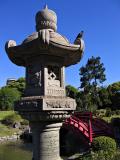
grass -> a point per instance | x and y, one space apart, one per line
12 117
4 114
101 113
108 119
7 131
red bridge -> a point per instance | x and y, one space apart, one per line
90 127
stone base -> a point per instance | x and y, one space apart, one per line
42 108
45 114
46 141
45 103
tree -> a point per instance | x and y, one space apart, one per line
71 91
114 91
74 93
115 87
7 97
83 101
92 76
105 100
18 84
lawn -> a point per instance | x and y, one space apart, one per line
4 114
12 117
7 131
108 119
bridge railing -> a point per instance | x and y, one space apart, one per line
82 122
89 126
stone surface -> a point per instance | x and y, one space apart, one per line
46 41
44 54
46 141
41 103
46 19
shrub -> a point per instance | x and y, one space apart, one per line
6 131
100 112
4 114
11 119
7 98
108 112
117 112
101 156
25 122
104 143
113 112
104 147
117 155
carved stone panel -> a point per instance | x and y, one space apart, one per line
53 76
59 104
38 103
54 86
33 76
54 91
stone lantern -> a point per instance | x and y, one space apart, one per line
45 54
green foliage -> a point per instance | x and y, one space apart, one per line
100 113
108 119
87 157
114 91
102 155
7 97
103 143
11 93
6 131
84 102
11 119
4 114
24 122
98 156
77 95
7 120
104 97
108 112
19 85
71 91
117 155
104 148
92 75
115 87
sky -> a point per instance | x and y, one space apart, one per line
99 19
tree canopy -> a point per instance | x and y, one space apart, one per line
114 91
7 97
71 91
19 84
92 77
11 93
115 87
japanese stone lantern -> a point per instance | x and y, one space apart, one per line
44 54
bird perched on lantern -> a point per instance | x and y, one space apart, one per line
79 40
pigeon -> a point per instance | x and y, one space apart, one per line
78 38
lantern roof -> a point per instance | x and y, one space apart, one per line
46 41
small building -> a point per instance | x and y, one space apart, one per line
10 80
